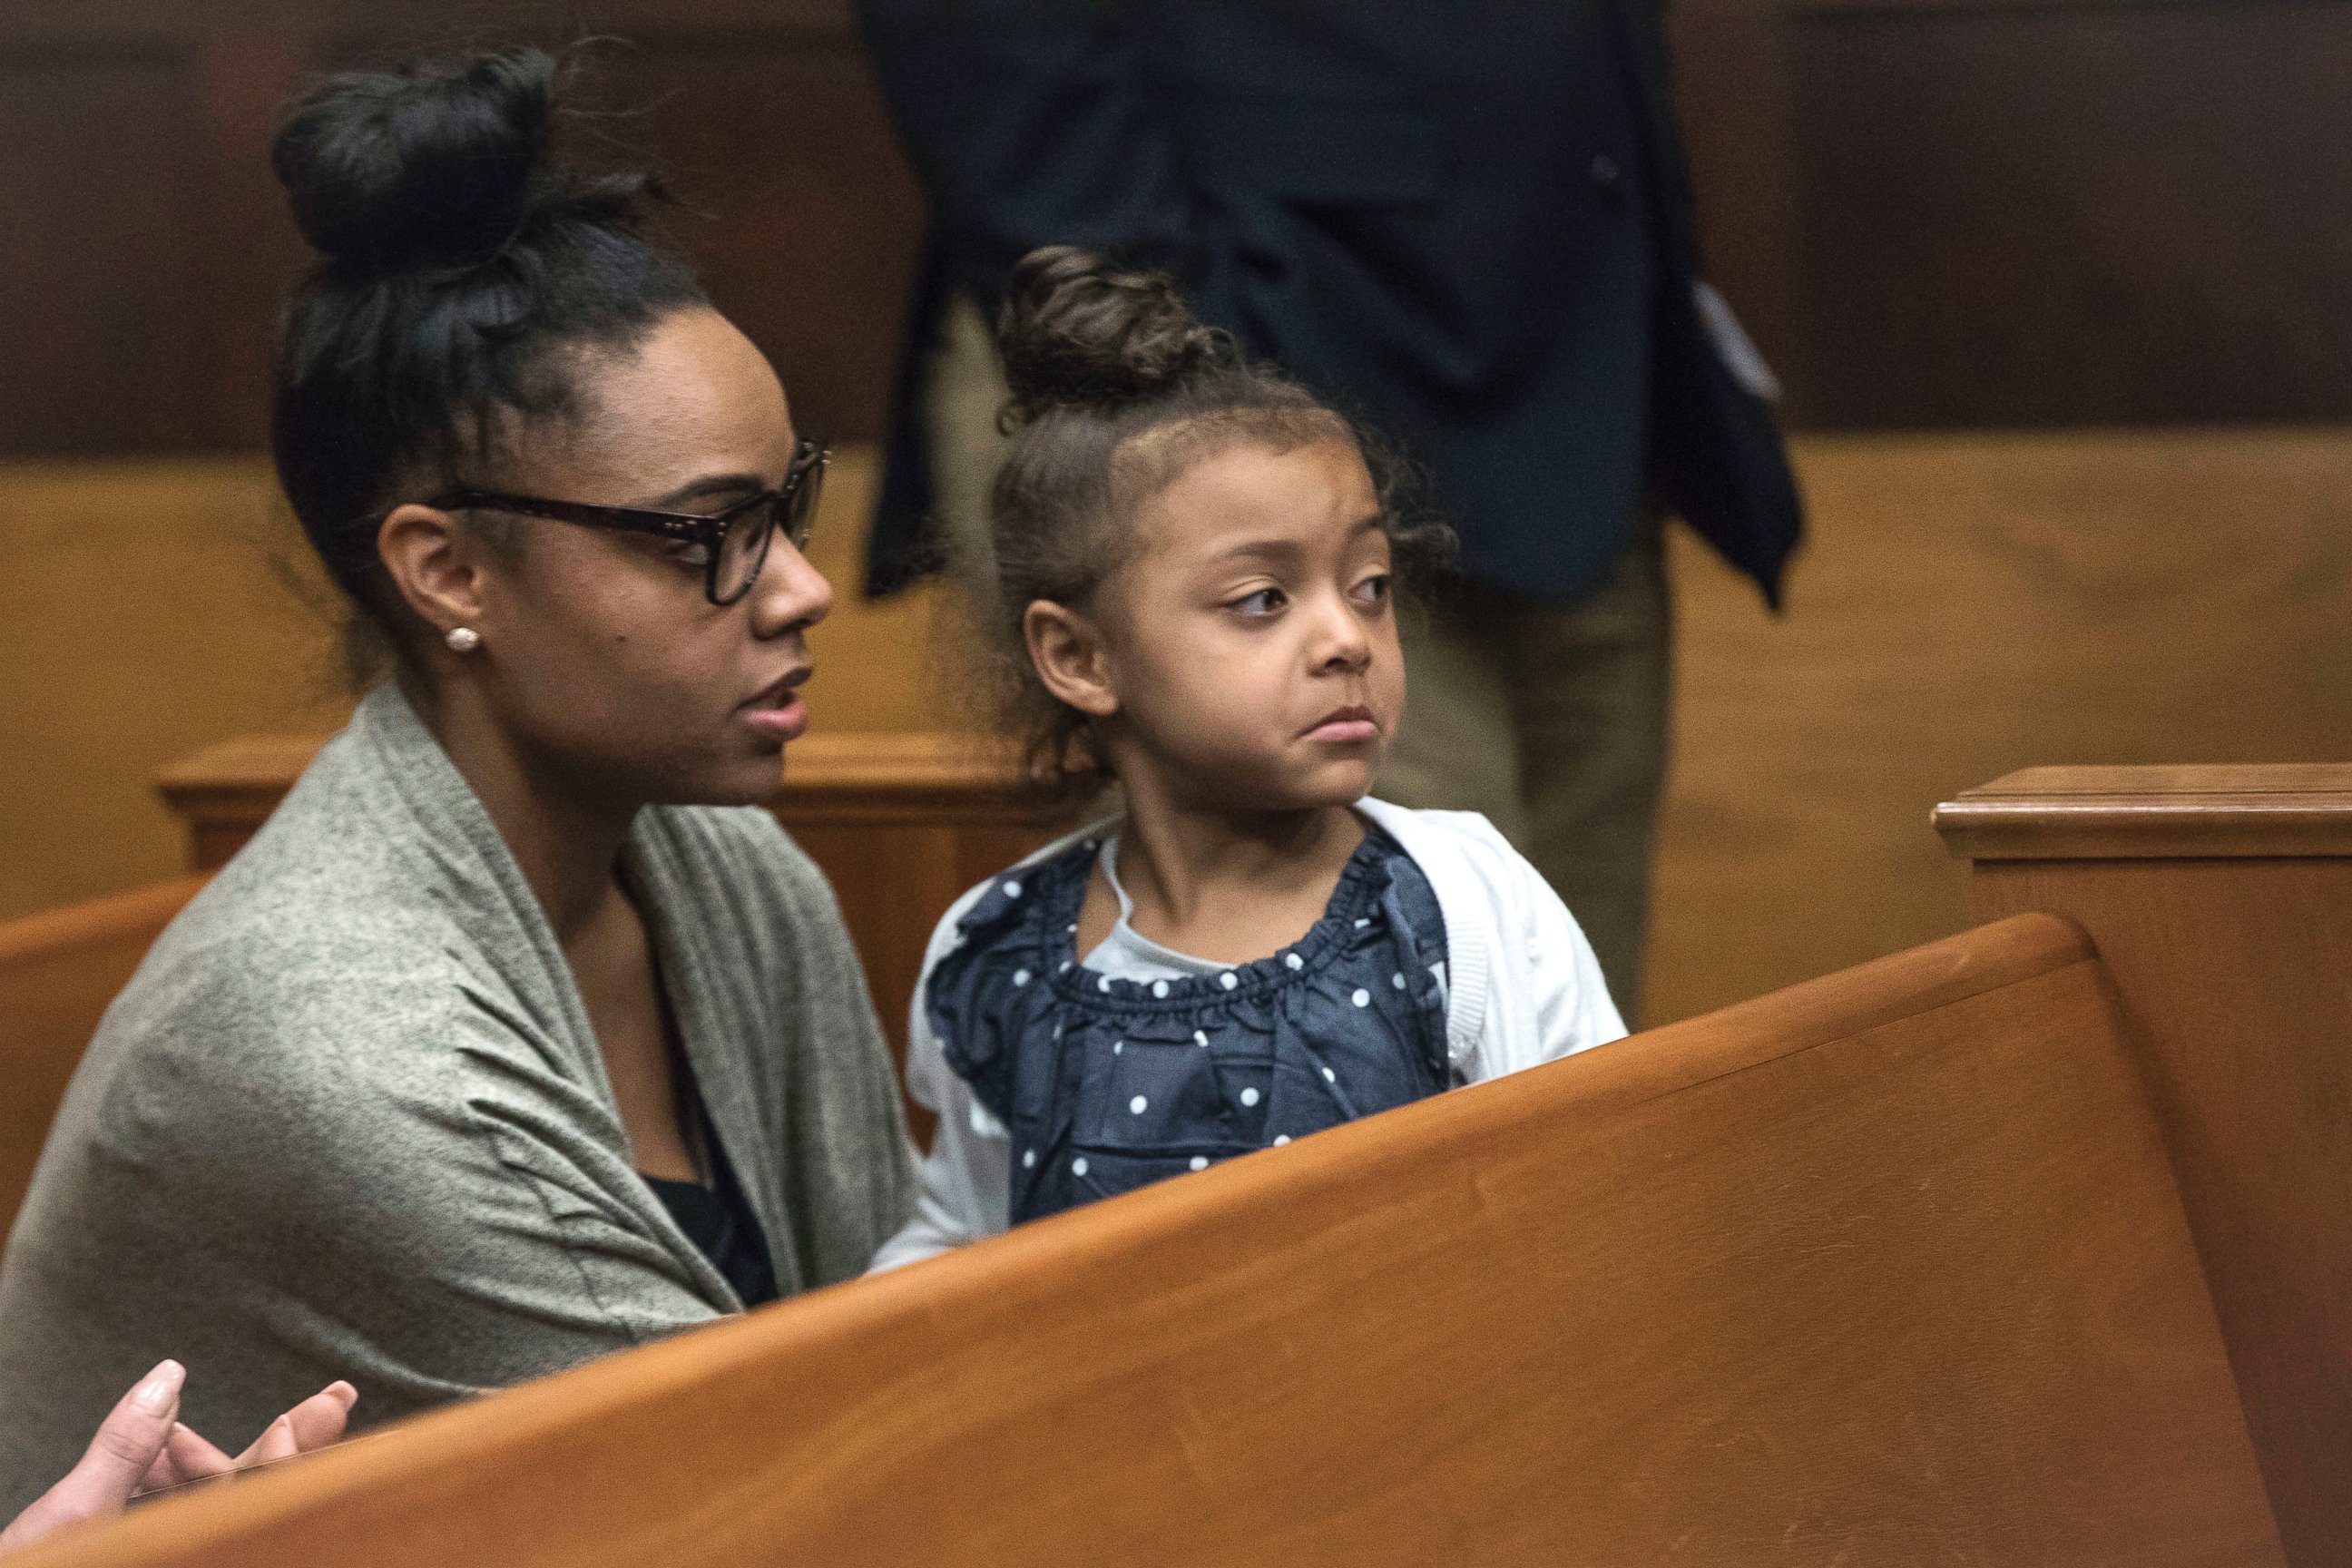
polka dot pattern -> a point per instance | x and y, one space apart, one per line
1338 1001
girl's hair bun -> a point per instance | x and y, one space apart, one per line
1076 330
434 162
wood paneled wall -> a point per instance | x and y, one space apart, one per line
2024 212
142 215
2032 212
1968 604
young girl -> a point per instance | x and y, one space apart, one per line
1192 595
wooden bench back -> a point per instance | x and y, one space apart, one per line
59 970
1888 1268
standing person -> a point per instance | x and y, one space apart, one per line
1468 223
520 1033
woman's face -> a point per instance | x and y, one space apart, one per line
601 656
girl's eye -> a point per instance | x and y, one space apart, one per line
1373 590
1265 602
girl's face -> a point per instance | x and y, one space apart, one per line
1250 646
600 655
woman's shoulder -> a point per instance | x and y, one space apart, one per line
257 988
247 1046
325 956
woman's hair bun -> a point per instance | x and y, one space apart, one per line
1077 330
436 162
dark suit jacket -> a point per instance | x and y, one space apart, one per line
1465 221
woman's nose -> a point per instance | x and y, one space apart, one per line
791 595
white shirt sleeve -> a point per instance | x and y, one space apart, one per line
1563 984
967 1176
1541 993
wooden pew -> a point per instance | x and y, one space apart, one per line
2221 899
900 823
58 971
1887 1269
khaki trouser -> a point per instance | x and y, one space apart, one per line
1548 717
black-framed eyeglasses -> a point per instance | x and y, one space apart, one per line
734 542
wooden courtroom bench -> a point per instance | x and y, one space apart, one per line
59 970
1888 1268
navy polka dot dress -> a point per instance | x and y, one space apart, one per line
1106 1084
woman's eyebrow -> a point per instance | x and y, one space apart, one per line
709 485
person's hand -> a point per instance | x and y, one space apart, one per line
313 1423
142 1447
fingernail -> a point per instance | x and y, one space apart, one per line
344 1392
163 1385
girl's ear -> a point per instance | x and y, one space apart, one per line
1067 651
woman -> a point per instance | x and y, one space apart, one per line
498 1048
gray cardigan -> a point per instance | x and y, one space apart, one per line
349 1119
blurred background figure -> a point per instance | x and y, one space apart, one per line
1471 224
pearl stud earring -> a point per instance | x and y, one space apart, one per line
463 640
